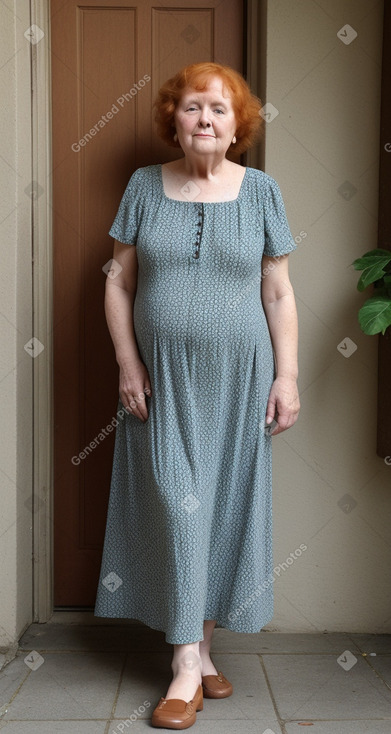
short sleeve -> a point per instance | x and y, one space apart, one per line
127 220
278 237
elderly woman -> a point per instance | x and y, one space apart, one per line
202 315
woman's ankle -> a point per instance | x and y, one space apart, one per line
204 650
187 663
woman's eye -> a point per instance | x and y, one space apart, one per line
217 110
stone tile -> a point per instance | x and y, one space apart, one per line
147 677
257 726
119 726
87 616
68 686
368 726
54 727
275 642
317 687
382 664
121 638
251 698
372 643
76 686
204 727
11 677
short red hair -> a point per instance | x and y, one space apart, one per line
245 104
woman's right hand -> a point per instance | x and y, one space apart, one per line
134 384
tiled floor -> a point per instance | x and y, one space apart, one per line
82 675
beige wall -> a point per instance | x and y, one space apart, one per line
327 132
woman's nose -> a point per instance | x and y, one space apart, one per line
204 118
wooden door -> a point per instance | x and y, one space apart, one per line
109 58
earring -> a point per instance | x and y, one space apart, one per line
175 137
234 139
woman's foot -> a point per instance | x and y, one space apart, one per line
186 677
190 662
184 686
207 667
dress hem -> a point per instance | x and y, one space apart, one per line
181 641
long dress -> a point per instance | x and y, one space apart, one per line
189 524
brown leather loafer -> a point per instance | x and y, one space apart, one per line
174 713
216 686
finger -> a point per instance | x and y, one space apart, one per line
142 405
137 407
270 410
137 414
125 400
285 423
277 428
129 403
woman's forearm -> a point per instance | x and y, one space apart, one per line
281 316
119 317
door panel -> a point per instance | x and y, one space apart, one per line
108 61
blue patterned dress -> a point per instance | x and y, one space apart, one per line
189 524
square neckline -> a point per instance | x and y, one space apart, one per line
180 201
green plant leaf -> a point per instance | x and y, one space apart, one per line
361 262
375 314
373 264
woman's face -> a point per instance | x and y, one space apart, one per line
205 121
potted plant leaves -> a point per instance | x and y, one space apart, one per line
375 314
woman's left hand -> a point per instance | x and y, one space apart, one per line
283 405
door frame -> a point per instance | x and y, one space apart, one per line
42 295
42 308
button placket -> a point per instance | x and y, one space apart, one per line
199 231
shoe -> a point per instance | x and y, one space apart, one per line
174 713
216 686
